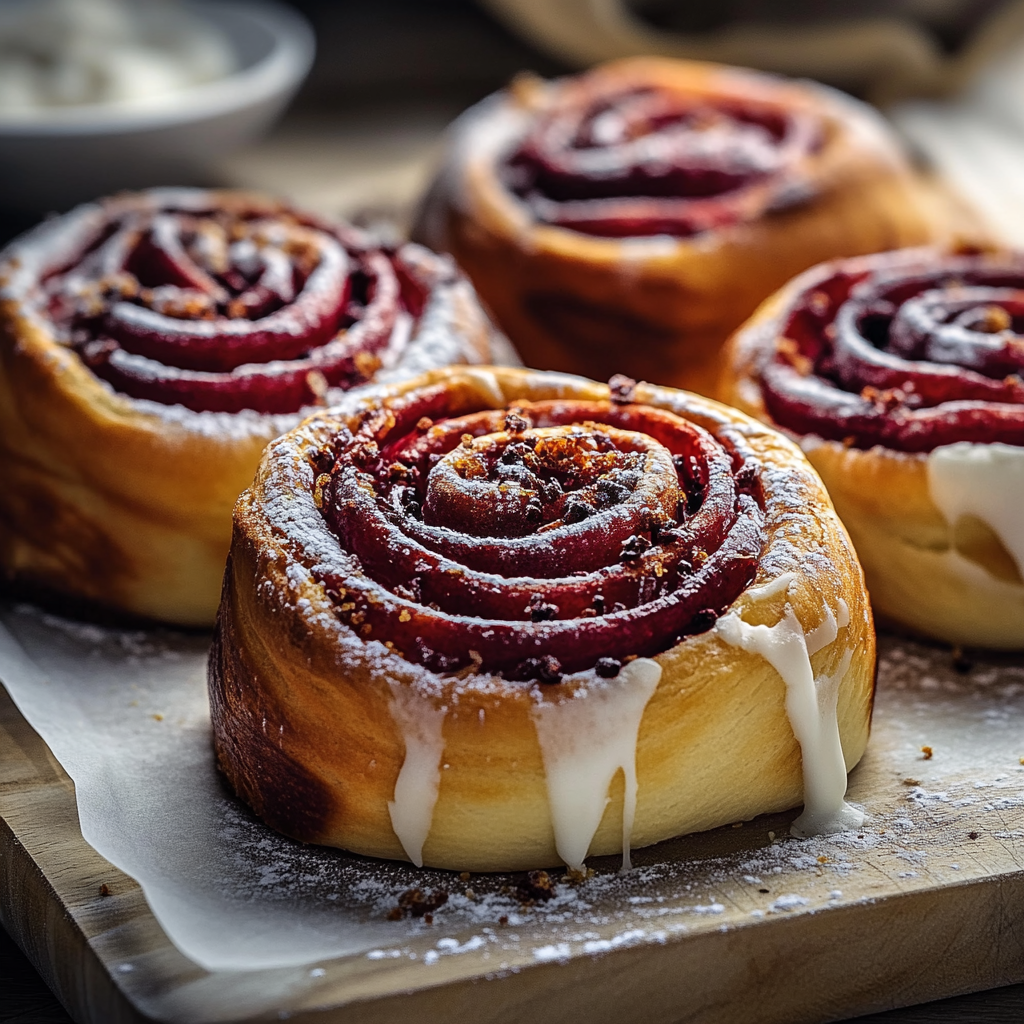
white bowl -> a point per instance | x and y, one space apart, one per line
65 155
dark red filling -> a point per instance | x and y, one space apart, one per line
900 353
550 538
649 162
225 310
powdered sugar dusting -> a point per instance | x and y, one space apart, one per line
231 893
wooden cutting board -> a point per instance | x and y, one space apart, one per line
927 901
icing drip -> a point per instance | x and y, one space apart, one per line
810 704
983 480
412 809
585 742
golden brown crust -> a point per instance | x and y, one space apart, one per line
303 709
956 585
660 308
123 503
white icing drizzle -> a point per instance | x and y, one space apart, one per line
810 704
412 810
983 480
584 742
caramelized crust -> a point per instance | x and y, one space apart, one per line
306 712
659 306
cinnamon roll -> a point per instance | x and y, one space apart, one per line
900 376
495 619
152 344
630 218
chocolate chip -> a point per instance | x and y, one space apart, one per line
413 509
540 610
550 490
577 511
598 604
622 389
633 547
513 454
608 668
534 513
515 422
610 492
703 620
546 669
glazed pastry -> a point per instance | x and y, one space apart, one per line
900 376
152 344
630 218
464 614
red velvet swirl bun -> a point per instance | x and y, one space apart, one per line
901 376
463 614
152 344
630 218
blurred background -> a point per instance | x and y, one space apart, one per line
340 104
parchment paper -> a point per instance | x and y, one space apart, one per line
126 715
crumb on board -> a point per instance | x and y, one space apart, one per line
417 903
577 876
105 889
928 753
537 885
911 782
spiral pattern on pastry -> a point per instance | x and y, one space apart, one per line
626 160
492 619
628 219
900 376
906 351
222 306
542 539
152 344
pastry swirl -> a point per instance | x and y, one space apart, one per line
151 345
901 373
630 218
471 562
639 160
